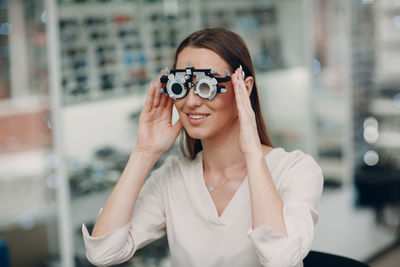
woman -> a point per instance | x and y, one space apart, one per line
235 200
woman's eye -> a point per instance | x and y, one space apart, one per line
204 88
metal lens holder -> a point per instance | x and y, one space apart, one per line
179 81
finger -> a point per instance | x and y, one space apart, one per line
166 111
243 91
245 110
157 98
170 105
238 87
159 86
149 98
177 127
164 100
239 99
241 82
243 100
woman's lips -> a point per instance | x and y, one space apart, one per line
196 119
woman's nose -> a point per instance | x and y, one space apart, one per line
192 99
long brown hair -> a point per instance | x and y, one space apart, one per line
231 48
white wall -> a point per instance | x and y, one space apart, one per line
89 126
285 97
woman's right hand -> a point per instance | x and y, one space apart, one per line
156 134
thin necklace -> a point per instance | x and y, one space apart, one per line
211 188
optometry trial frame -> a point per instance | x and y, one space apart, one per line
179 81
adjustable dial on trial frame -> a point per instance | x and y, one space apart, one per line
179 81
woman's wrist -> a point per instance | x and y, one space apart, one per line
147 156
255 153
254 157
139 165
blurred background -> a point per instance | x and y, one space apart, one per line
74 73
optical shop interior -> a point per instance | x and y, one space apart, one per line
74 75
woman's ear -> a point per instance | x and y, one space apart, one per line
249 82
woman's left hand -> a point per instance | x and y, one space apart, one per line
249 141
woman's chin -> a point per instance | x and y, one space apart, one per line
196 133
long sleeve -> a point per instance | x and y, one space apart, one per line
147 224
300 190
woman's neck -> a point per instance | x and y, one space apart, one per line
222 152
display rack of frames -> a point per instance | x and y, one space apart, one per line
166 24
101 51
114 48
256 22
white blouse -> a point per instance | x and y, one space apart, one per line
175 200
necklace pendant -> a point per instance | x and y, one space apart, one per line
211 188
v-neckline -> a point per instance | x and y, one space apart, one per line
210 199
233 207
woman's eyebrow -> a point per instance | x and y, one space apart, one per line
217 74
225 74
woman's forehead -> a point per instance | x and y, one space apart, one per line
200 58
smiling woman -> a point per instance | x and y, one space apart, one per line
234 200
206 119
230 51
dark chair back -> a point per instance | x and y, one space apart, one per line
321 259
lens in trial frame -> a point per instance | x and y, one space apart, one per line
206 88
176 90
176 86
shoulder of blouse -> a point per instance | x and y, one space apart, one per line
293 159
169 167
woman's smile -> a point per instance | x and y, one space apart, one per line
197 118
195 111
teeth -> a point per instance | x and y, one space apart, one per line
193 116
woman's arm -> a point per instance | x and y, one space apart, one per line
283 225
156 134
266 204
118 209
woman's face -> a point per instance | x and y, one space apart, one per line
203 118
